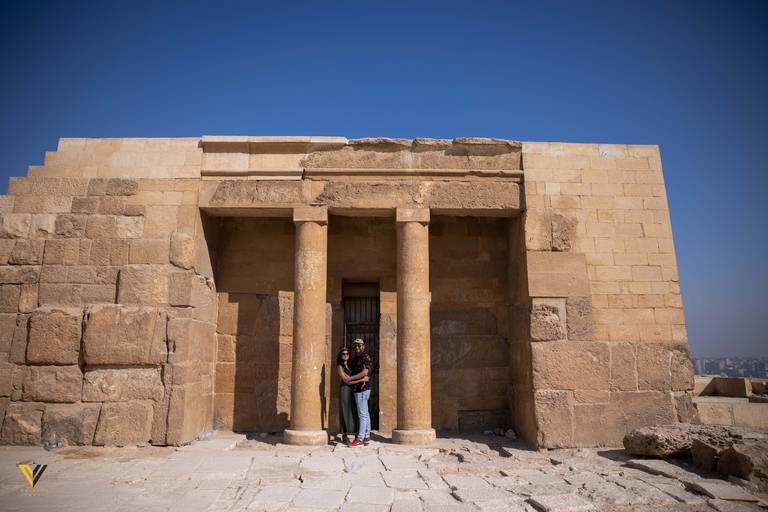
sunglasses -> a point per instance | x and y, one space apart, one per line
345 353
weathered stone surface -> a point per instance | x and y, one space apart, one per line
143 284
122 384
54 335
6 377
13 274
579 319
15 225
570 365
554 419
723 491
122 187
27 252
149 251
9 298
182 251
75 423
563 231
704 455
21 425
124 423
545 323
53 384
560 503
675 440
116 334
70 225
735 387
748 460
18 353
7 326
446 322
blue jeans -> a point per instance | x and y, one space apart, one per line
361 399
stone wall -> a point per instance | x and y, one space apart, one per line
107 296
147 285
600 296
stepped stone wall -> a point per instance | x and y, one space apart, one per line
147 286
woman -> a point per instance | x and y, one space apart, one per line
347 409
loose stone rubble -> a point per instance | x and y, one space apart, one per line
232 473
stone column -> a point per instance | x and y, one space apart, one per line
414 380
309 327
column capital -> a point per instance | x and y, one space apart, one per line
412 215
317 214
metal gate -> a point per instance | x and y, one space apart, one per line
361 320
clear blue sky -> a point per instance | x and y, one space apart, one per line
688 76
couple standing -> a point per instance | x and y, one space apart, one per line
355 382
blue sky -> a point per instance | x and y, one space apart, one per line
688 76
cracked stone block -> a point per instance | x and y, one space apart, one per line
465 482
545 323
76 422
124 423
22 424
482 494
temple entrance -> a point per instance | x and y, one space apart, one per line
361 320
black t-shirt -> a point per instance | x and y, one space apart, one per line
362 361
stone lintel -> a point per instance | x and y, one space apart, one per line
317 214
412 215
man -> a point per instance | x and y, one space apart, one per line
361 368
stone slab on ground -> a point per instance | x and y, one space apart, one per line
723 491
482 494
532 476
560 503
319 498
464 482
728 506
662 467
370 495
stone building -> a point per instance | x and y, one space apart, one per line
153 289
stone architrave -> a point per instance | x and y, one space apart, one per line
414 395
306 423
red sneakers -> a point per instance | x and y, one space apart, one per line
355 443
366 441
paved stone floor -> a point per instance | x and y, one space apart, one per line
232 473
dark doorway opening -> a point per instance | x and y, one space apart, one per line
361 320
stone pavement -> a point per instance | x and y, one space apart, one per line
231 473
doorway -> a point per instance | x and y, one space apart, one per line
361 320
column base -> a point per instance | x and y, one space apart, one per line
305 437
414 436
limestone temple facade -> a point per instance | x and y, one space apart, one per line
154 289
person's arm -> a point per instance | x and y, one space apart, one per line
365 372
361 379
342 374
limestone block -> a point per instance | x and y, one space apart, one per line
143 284
6 247
122 187
122 385
685 408
180 288
546 323
52 384
116 334
747 460
75 423
43 226
554 418
27 252
225 348
70 225
85 205
9 298
704 455
28 298
111 205
563 231
101 226
149 251
579 319
18 353
6 377
606 424
466 321
22 424
735 387
538 229
182 250
54 335
570 365
129 227
160 221
15 225
7 326
124 423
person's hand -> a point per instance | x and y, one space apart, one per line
366 379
